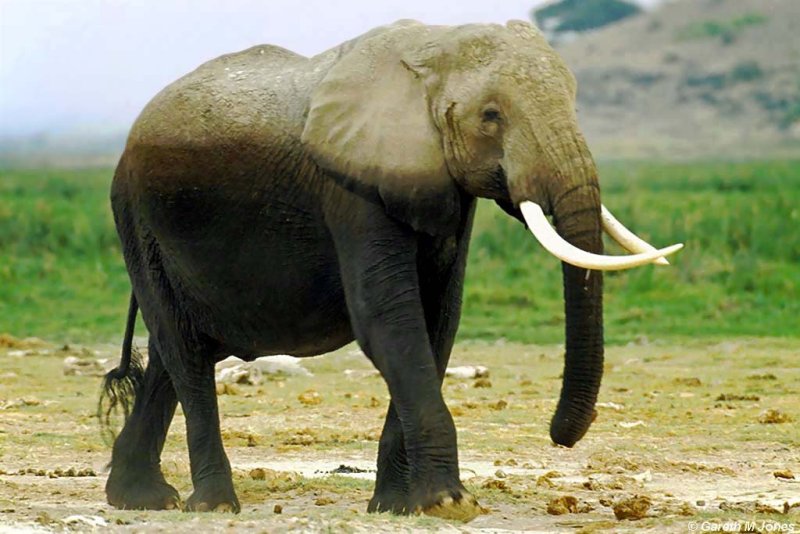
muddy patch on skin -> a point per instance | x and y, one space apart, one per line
700 453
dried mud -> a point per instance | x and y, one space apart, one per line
684 433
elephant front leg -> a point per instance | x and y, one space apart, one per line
392 484
378 268
441 276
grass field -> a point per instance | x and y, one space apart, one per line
62 276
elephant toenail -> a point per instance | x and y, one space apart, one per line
201 507
224 507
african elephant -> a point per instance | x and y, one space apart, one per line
269 203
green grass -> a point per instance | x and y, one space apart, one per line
61 270
62 275
738 275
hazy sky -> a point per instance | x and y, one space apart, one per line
93 64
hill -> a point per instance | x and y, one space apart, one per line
693 78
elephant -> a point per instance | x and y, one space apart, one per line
269 203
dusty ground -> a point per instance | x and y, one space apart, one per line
684 436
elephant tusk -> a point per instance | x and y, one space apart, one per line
627 239
560 248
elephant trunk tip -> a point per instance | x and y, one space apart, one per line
567 431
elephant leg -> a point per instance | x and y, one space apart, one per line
191 366
378 266
392 481
135 480
442 291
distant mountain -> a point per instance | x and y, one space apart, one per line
693 78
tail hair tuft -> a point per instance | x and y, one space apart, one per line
118 394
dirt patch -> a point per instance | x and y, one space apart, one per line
695 457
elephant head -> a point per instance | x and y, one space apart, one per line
421 115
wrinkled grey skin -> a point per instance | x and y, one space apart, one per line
270 203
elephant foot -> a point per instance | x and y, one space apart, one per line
388 501
141 492
214 494
454 505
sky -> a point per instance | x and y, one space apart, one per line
71 66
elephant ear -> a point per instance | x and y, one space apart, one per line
369 126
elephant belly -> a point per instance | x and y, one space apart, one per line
258 272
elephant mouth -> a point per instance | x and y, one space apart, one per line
642 252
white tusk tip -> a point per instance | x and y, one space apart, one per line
559 247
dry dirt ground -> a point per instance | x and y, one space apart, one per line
687 435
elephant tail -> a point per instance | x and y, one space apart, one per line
121 384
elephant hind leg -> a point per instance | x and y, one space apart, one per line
190 363
136 480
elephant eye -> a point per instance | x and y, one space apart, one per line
491 115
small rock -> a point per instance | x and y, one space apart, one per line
43 518
784 473
545 482
566 504
482 383
323 501
766 509
88 520
309 398
74 366
467 371
764 376
789 508
17 403
701 503
773 417
258 474
347 469
7 341
499 405
277 509
495 484
634 508
591 485
500 473
692 382
632 424
226 389
612 405
736 397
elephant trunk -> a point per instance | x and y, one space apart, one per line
569 190
576 213
551 170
